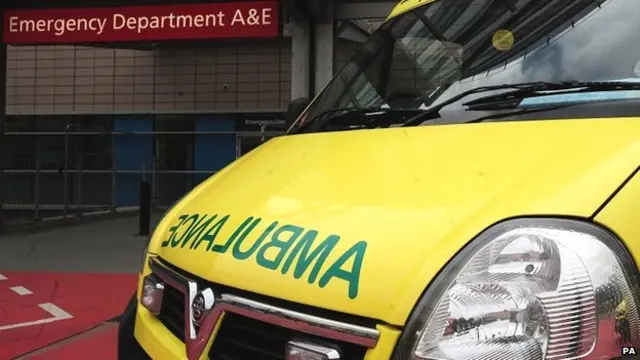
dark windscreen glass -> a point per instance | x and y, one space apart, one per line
448 46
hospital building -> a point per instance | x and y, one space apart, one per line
101 95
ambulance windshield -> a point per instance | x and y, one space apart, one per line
434 52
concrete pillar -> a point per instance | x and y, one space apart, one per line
324 37
301 52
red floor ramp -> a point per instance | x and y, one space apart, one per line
39 309
98 344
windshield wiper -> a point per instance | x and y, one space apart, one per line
517 113
512 99
324 117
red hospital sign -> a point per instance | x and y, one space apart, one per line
255 19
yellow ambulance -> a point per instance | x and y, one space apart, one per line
465 187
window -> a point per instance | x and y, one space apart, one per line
174 151
93 148
83 140
19 148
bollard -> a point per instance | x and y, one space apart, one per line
144 220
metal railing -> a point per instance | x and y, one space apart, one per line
59 177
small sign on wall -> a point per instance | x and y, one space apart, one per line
264 122
258 122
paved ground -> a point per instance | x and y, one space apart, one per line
62 289
108 246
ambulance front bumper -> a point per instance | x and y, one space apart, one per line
241 325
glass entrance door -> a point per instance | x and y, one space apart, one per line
174 143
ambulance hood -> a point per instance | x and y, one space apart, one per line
361 221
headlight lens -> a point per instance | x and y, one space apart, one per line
530 289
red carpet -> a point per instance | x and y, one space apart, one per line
90 299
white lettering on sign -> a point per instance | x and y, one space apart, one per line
264 122
172 21
252 17
119 21
58 26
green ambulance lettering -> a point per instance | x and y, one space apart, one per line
319 254
203 226
306 257
223 248
240 254
187 225
194 229
288 246
191 220
173 229
281 245
211 233
237 253
351 276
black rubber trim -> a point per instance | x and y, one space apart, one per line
128 346
615 192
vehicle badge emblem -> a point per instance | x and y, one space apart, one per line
202 304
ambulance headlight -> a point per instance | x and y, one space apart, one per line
152 294
530 289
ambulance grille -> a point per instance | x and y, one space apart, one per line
172 311
243 338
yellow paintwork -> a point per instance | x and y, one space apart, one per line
417 195
386 344
621 216
406 5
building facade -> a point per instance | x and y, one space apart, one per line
172 101
86 122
